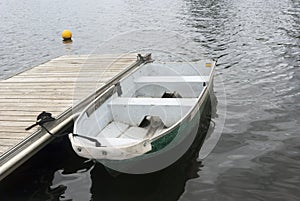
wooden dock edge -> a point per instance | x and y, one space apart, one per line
19 154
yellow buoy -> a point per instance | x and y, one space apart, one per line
208 65
66 35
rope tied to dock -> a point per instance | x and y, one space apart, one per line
45 117
41 119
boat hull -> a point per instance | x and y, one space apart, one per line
165 150
112 128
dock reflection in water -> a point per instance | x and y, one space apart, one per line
57 173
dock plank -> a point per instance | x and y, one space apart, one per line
52 87
9 130
21 118
8 142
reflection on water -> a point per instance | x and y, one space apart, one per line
257 44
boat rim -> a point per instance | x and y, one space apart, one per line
200 100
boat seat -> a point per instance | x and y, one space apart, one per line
133 110
187 86
171 79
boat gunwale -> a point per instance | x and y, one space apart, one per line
190 114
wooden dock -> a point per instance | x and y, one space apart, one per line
62 86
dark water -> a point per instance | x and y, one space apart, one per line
257 44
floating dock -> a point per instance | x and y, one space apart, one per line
63 87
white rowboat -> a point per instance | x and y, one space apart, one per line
147 111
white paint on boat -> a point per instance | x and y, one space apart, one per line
160 94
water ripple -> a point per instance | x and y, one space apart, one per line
257 44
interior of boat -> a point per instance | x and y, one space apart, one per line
142 105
